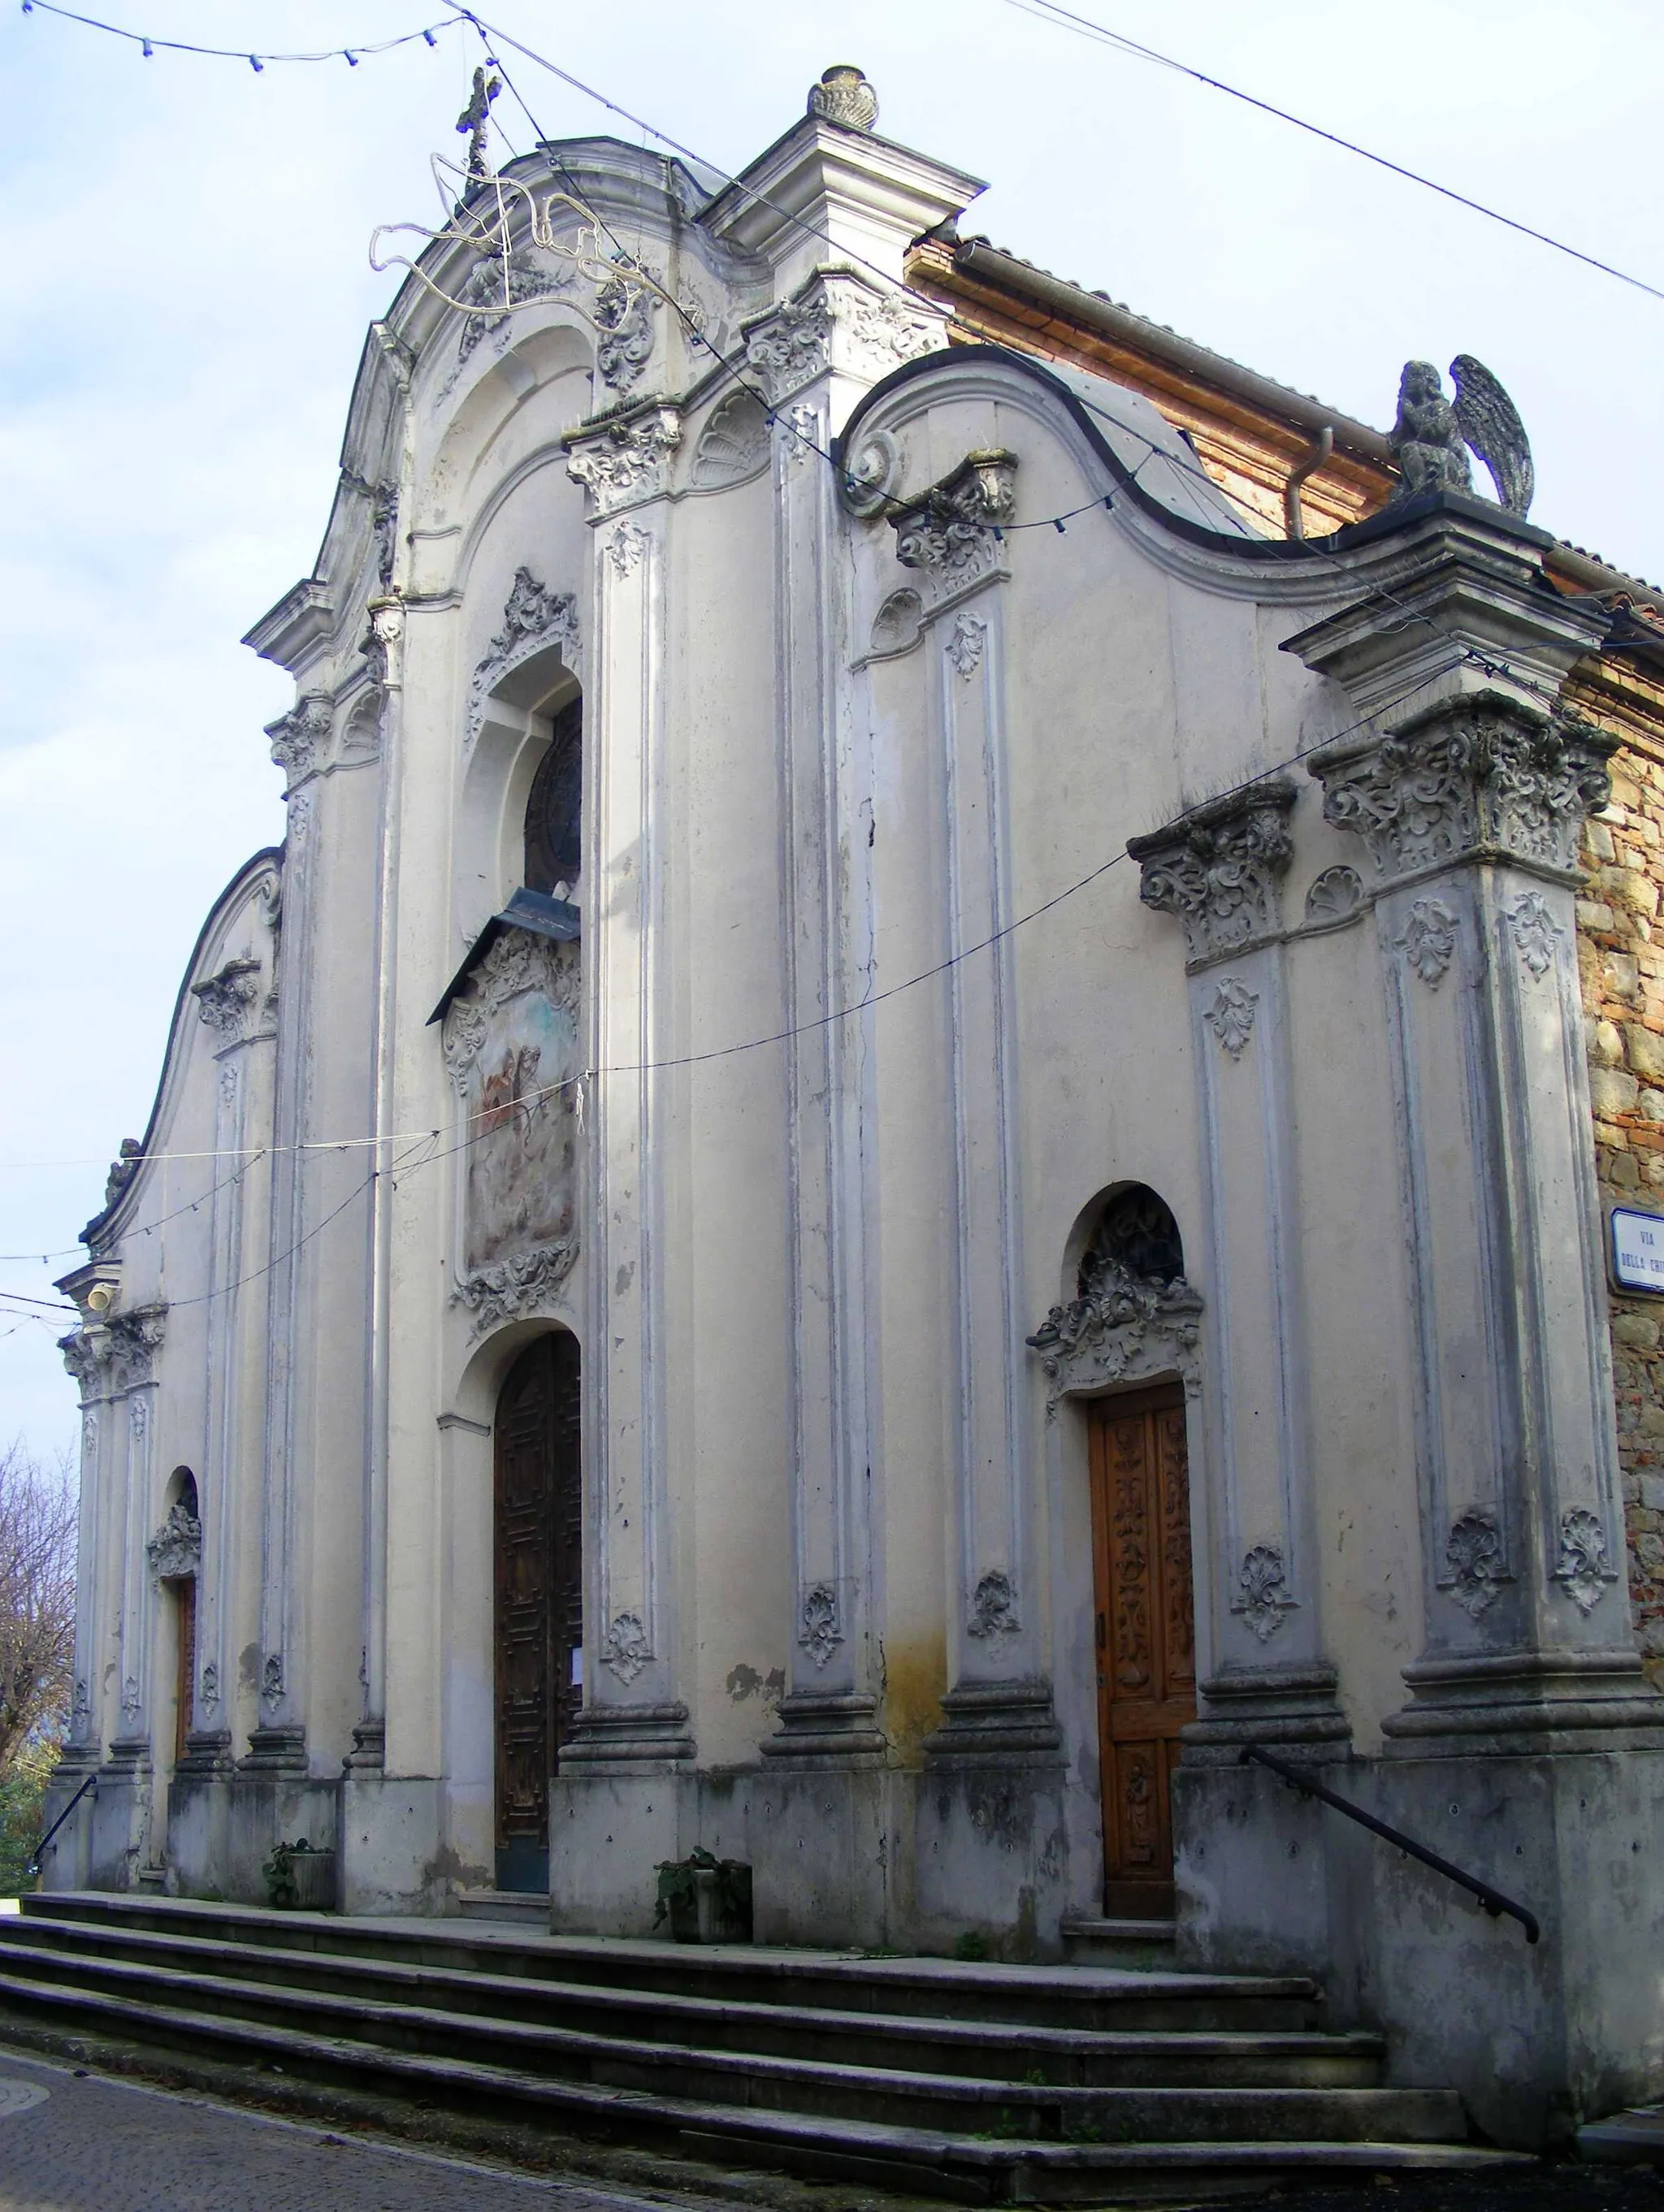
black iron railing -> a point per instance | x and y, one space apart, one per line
1300 1778
91 1782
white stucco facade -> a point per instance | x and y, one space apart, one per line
819 1079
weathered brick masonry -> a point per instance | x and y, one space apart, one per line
1621 955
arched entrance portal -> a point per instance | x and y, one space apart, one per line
539 1597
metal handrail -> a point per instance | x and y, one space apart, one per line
91 1782
1492 1899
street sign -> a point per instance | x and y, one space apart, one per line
1637 1249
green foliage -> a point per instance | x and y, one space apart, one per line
22 1817
281 1889
678 1892
971 1947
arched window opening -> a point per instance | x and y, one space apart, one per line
554 810
1136 1235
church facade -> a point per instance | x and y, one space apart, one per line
903 1148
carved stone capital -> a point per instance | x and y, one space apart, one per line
1219 868
383 646
837 322
115 1354
1482 779
626 461
300 738
950 534
226 998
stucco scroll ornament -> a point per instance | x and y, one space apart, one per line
1121 1326
951 536
1427 940
627 462
1264 1583
1536 932
300 738
533 616
626 549
624 316
1219 868
225 999
966 643
889 334
1230 1016
820 1632
494 280
626 1647
1581 1567
523 1283
175 1550
993 1607
1473 1551
790 346
1486 779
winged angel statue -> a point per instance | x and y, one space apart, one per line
1430 437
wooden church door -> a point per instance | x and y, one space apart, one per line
539 1597
1145 1638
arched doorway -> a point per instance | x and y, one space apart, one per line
538 1609
1144 1607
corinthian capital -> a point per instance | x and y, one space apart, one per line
1480 778
1219 868
627 461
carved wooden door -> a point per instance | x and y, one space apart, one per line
1145 1635
539 1598
184 1589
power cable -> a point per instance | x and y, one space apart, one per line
149 45
1084 27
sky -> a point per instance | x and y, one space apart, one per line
189 284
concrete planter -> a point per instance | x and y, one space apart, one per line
314 1881
719 1910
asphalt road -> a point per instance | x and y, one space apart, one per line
71 2143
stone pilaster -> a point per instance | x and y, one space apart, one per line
1468 790
1219 869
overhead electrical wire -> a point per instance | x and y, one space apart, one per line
1084 27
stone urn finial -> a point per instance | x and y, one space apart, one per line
844 96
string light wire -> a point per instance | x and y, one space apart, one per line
150 44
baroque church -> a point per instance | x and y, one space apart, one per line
924 1127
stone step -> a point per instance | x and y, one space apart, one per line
1041 1997
838 2088
997 2165
986 2050
520 1908
1090 1942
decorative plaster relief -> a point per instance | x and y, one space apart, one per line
1335 896
966 643
1536 932
951 535
734 446
1230 1017
871 474
81 1706
383 641
626 462
524 1283
1219 868
1485 777
1473 1551
993 1607
1582 1566
302 735
897 624
624 316
175 1550
226 998
819 1629
790 346
117 1354
888 332
626 1647
208 1690
1264 1586
489 281
626 549
533 616
1427 940
132 1703
800 434
272 1679
1123 1325
139 1417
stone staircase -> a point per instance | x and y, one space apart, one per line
983 2084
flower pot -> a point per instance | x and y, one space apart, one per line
314 1881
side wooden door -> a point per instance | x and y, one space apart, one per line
539 1597
1145 1635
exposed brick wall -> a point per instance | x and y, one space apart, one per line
1621 954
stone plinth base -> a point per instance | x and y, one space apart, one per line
393 1859
222 1827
